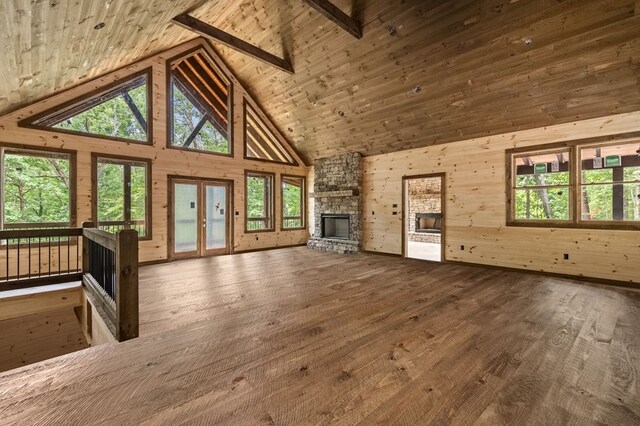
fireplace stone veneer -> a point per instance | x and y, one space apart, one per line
336 192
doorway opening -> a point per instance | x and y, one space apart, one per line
199 217
424 229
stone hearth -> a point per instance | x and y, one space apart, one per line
336 191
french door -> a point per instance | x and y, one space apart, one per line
199 218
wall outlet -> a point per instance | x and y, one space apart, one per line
462 248
566 256
256 238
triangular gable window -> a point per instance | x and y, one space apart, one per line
119 112
200 105
260 143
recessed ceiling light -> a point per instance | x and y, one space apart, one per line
99 26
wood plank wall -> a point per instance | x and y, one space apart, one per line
475 206
165 161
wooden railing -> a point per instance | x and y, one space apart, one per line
292 222
114 226
110 274
106 263
257 223
34 257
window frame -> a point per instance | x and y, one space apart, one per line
230 112
574 148
271 198
34 150
511 188
29 122
303 203
118 159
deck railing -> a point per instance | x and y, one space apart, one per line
292 222
34 257
257 223
110 274
106 263
114 226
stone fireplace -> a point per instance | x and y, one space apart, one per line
425 211
337 222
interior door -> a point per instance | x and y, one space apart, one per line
200 221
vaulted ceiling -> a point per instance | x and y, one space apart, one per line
425 72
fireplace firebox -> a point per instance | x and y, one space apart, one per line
335 226
429 223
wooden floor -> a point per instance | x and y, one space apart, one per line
295 337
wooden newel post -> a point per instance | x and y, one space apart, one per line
86 265
127 321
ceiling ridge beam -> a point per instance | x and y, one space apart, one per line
212 33
337 16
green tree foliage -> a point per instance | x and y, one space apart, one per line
551 202
257 189
292 204
36 189
112 203
598 197
112 118
110 192
185 119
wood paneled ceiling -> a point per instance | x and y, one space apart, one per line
425 72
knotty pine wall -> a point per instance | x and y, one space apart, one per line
476 211
165 161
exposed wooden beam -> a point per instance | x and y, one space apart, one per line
215 34
337 16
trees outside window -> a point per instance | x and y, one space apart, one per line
259 201
576 185
119 112
542 186
36 189
199 105
122 188
293 206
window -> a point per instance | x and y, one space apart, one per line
542 188
260 143
293 208
120 112
259 201
591 185
122 194
200 105
610 183
37 189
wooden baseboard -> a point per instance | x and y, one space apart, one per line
269 248
627 285
382 253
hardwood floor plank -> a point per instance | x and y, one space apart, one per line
299 337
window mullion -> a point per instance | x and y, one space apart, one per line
127 195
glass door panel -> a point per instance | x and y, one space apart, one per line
215 216
185 214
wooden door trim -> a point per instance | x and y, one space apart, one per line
443 208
